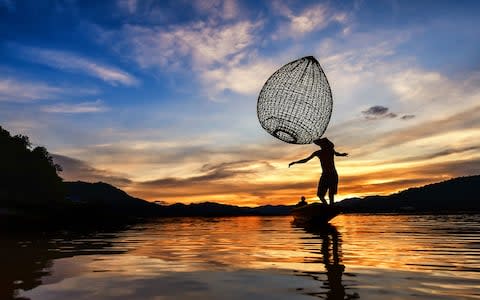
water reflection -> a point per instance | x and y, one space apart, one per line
26 259
377 257
332 260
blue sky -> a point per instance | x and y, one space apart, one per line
159 97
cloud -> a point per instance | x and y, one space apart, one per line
221 54
218 54
394 179
228 188
75 169
201 43
13 90
312 18
257 181
357 67
243 193
439 111
407 117
467 119
211 173
415 87
450 150
221 181
67 61
424 137
242 79
374 70
378 112
83 107
183 157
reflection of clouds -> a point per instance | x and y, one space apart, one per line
176 286
259 258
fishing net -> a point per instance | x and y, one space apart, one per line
295 104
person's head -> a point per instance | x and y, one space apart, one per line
302 198
324 143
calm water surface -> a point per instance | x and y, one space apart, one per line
357 257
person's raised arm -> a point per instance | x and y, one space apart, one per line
302 161
340 154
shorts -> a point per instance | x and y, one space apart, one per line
328 182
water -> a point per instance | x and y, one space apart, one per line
358 257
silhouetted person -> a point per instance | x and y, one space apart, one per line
302 201
329 179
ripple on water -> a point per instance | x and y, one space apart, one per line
366 256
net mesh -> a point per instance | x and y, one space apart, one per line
295 104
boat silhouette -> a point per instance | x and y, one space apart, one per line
315 213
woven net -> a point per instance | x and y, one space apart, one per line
295 104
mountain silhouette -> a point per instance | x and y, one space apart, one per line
103 198
454 195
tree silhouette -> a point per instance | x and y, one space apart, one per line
28 177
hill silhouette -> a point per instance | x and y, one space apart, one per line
103 198
212 209
454 195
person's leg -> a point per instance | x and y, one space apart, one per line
332 189
322 190
322 198
331 195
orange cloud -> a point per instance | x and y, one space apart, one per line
412 155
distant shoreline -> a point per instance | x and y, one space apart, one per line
92 205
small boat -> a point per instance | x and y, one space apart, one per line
315 213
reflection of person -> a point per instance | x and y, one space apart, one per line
329 179
332 260
334 267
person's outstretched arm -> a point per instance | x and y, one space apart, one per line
341 154
302 161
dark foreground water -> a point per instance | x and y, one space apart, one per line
358 257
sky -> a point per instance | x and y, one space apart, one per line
159 97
